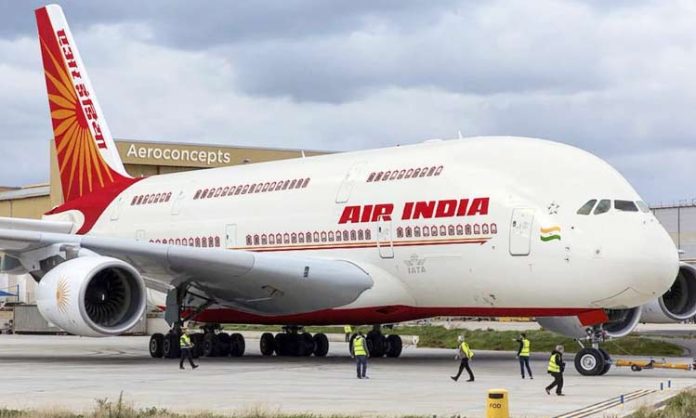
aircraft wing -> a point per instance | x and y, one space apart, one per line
264 283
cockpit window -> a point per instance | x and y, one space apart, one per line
586 209
625 206
603 206
643 206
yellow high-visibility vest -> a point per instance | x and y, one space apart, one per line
554 367
184 341
348 329
525 348
464 348
359 346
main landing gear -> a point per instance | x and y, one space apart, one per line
212 342
382 346
593 361
293 341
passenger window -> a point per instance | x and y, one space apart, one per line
625 206
643 206
586 209
603 207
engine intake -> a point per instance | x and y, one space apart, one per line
678 303
92 296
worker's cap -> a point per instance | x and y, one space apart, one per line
559 348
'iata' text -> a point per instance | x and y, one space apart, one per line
447 208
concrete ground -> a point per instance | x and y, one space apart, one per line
72 372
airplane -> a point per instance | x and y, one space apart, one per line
482 226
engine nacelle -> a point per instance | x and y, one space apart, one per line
678 303
92 296
621 323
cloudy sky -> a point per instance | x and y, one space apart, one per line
616 78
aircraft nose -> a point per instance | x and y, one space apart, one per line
657 259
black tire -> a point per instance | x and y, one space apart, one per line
394 346
237 345
156 345
224 344
170 346
321 345
197 342
607 362
267 344
210 348
282 344
306 344
376 344
589 362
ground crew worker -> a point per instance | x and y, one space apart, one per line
348 330
360 352
556 369
465 354
186 348
523 354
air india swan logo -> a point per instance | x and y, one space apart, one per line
62 295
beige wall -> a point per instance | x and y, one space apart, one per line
32 207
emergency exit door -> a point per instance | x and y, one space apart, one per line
521 231
384 238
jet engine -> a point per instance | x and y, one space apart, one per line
621 323
678 303
92 296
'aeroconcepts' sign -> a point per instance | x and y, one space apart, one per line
176 155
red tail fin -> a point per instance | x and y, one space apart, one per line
87 156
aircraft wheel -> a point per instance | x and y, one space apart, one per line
170 346
197 342
267 344
237 345
306 344
607 362
376 344
394 346
321 345
210 348
282 344
156 345
589 362
223 344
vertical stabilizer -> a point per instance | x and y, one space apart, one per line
88 160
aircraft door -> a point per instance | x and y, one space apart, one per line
355 172
384 238
230 236
521 231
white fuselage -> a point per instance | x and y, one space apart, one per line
478 245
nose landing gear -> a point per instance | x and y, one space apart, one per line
593 361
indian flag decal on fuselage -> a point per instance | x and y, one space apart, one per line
551 233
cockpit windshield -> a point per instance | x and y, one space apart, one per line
605 205
625 206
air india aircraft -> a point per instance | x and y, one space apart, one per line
484 226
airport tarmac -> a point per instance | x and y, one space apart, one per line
72 372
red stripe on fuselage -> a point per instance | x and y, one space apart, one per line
375 315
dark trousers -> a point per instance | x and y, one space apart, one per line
186 354
557 382
524 362
361 365
464 365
